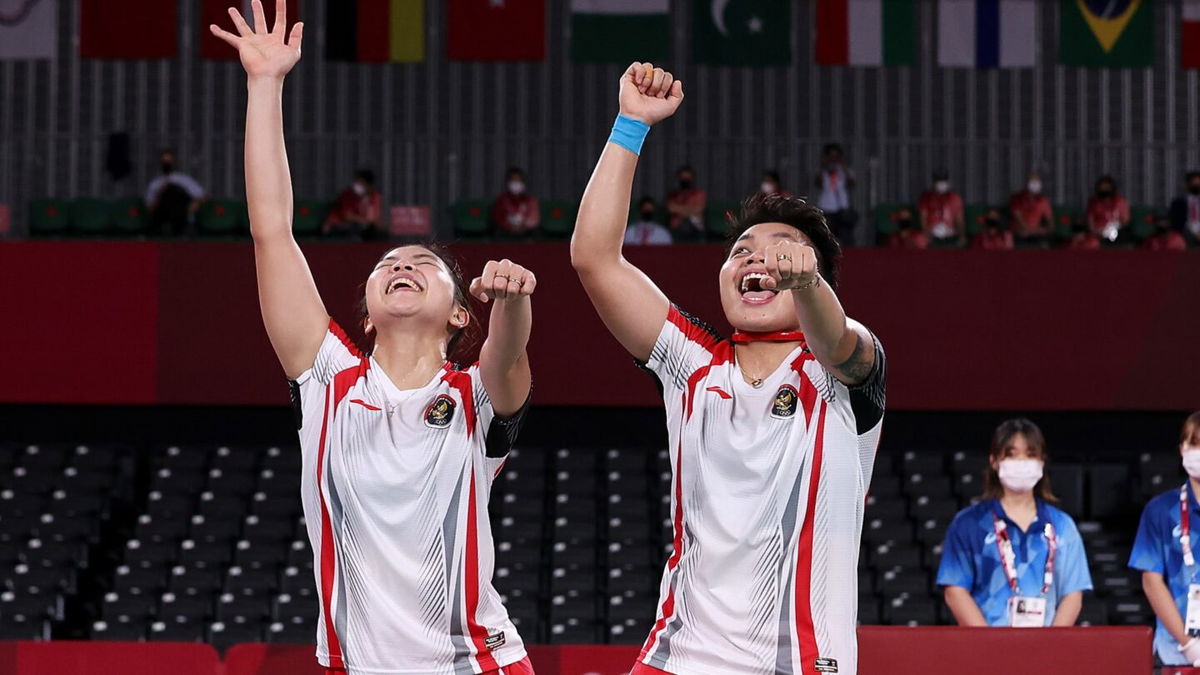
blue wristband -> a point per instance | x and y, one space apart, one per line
629 134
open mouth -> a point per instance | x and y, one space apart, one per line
403 284
752 289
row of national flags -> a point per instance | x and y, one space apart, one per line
969 33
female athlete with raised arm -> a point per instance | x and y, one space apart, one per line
400 445
773 432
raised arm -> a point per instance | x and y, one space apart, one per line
629 303
503 363
292 310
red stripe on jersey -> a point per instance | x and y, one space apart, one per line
461 380
719 392
808 392
327 553
668 607
364 404
346 341
722 354
690 330
478 633
805 633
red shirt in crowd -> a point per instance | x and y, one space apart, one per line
1103 211
998 240
367 207
1165 241
911 239
1031 214
1084 241
941 212
691 200
516 214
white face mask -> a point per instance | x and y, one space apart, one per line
1191 461
1035 186
767 187
1020 475
942 186
360 189
516 187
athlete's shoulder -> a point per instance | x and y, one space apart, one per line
693 327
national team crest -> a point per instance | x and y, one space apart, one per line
440 412
785 402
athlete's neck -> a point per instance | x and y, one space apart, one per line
759 359
410 360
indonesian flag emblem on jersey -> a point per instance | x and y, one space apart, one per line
395 490
768 489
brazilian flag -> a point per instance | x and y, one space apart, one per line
1107 33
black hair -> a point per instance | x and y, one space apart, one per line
772 174
941 174
1106 178
1191 176
832 147
686 167
515 171
464 338
365 175
646 199
794 211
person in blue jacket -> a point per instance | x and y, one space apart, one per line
1165 551
1013 559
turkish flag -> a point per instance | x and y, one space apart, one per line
497 30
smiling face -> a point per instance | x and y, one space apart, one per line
411 283
748 306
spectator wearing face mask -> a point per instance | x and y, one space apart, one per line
771 185
516 214
358 212
1165 551
685 207
1014 559
1032 218
1165 237
1185 210
646 229
1107 211
173 198
835 180
941 211
908 232
995 235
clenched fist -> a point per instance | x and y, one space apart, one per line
503 280
649 94
791 265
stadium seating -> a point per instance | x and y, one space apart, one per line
208 542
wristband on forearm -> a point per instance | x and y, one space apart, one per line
629 133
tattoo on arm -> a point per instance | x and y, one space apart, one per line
857 367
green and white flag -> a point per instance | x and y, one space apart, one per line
742 32
620 31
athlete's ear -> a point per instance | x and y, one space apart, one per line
368 327
460 318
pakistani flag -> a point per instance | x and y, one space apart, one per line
620 31
743 32
1106 33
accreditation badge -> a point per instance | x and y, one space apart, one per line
1027 612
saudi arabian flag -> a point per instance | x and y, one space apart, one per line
1106 33
742 32
620 31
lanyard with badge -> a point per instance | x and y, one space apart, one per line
1025 611
1189 561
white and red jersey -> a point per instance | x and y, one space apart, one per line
768 490
395 489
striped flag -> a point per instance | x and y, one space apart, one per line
1189 36
987 33
28 30
377 31
217 11
620 31
866 32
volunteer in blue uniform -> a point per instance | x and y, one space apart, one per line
1013 559
1166 551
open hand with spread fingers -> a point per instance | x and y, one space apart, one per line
649 94
263 51
792 266
503 280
